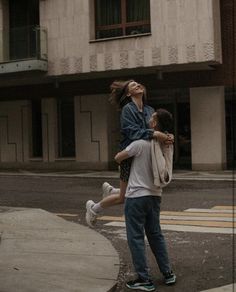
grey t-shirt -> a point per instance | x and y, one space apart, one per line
141 180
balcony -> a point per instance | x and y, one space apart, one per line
24 49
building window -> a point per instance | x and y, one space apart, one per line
230 117
176 101
114 18
23 19
66 128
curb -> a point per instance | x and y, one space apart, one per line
114 175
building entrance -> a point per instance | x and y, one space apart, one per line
177 102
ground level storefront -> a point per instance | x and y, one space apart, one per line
71 129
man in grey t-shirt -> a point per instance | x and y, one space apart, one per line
142 209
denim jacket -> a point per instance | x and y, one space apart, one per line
134 124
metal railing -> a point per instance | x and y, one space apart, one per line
24 43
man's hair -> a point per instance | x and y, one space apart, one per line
119 91
164 120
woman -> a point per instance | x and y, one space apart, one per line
130 97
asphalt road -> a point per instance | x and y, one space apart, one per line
200 260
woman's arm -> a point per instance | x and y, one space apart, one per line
131 126
134 131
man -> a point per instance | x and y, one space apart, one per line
142 207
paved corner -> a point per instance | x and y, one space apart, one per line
42 252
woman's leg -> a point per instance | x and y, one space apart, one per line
115 199
93 209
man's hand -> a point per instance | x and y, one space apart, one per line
164 138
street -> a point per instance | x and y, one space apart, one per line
201 258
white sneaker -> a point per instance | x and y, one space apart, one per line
106 189
91 216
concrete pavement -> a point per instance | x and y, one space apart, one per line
40 252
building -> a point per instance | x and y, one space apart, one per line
58 58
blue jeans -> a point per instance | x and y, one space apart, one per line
143 214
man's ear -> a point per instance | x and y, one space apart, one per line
155 125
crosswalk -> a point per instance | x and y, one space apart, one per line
219 219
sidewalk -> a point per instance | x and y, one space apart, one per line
225 175
40 252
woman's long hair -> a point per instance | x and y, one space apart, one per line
119 91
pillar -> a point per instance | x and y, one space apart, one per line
91 131
208 139
49 129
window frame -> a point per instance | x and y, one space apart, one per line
123 25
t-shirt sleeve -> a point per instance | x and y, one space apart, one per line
135 148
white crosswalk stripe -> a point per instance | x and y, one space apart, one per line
219 219
227 288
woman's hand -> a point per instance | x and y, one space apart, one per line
164 138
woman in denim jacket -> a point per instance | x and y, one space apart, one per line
130 97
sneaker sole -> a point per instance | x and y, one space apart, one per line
141 288
172 282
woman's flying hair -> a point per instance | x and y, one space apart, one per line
119 91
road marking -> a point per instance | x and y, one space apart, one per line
205 213
205 218
224 207
210 210
227 288
183 222
199 223
218 219
66 215
112 218
181 228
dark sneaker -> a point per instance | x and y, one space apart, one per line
170 278
140 284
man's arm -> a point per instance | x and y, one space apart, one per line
120 156
134 149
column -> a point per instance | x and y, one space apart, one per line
49 129
207 107
91 131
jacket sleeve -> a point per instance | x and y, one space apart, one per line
131 128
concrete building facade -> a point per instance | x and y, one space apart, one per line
58 58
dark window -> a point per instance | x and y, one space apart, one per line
230 117
177 102
36 128
115 18
66 128
23 20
